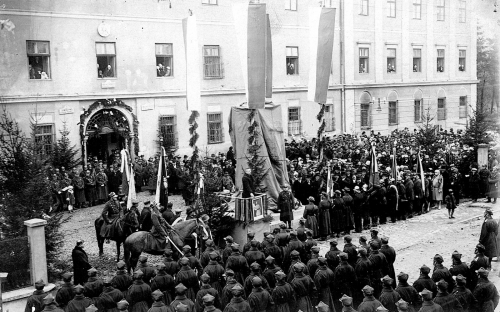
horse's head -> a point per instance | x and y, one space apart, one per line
203 227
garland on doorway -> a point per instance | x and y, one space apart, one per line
109 103
321 128
193 125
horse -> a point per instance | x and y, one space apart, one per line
128 224
137 242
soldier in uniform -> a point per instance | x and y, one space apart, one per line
111 214
101 181
66 292
35 301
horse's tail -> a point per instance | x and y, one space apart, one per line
126 254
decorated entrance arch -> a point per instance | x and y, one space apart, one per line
108 120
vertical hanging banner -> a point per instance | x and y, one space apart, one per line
251 30
374 176
321 31
193 64
269 60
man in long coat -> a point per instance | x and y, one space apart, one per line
248 184
238 264
35 301
324 280
485 293
488 237
111 215
139 294
390 255
66 292
79 302
304 288
260 299
286 203
80 263
283 294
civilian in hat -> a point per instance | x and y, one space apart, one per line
226 293
425 282
187 276
474 184
446 300
122 280
66 292
485 292
332 256
255 255
283 294
94 285
344 277
146 268
324 227
324 281
158 302
35 301
109 297
369 303
488 236
205 289
237 303
286 203
49 304
408 293
304 288
310 215
248 184
390 255
380 266
80 263
111 214
238 264
458 267
163 282
227 251
463 294
79 301
139 294
181 299
260 299
216 272
270 271
389 297
428 305
442 273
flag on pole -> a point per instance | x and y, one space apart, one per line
193 64
321 31
329 183
124 168
269 60
394 165
374 178
420 168
131 188
252 31
162 174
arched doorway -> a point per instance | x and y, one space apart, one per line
107 131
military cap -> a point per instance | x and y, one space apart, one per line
235 245
48 299
270 236
184 261
180 287
229 272
480 247
257 281
333 243
138 273
362 238
343 256
237 287
426 294
266 234
348 238
322 261
254 266
367 290
362 251
208 298
161 266
374 230
460 278
438 258
254 243
168 252
402 305
374 245
209 242
280 273
228 239
294 253
143 258
181 307
157 294
293 233
489 211
402 276
121 265
315 249
346 300
80 241
91 308
135 202
322 307
186 247
381 308
425 269
92 271
270 258
442 285
384 240
79 289
205 278
122 304
387 280
482 272
67 276
251 234
213 255
456 255
146 203
107 280
298 267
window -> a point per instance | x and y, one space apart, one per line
462 7
440 10
212 2
364 54
364 7
294 123
441 108
417 108
212 66
417 60
44 139
168 129
291 5
365 116
164 60
38 59
461 60
393 113
417 9
463 107
292 60
215 130
391 60
329 118
391 8
328 3
440 60
106 59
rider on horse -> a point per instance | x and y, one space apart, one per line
158 231
111 214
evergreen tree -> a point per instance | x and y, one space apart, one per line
65 154
477 127
255 161
426 136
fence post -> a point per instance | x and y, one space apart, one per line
38 256
3 276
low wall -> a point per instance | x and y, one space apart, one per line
14 301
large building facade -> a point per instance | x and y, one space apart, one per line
114 72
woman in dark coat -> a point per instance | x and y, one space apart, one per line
310 213
324 217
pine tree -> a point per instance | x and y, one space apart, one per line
426 136
255 161
477 127
65 154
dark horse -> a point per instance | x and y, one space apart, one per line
127 225
138 242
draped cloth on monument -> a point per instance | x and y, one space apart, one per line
272 147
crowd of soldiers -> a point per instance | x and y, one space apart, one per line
285 272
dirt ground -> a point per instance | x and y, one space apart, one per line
415 240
